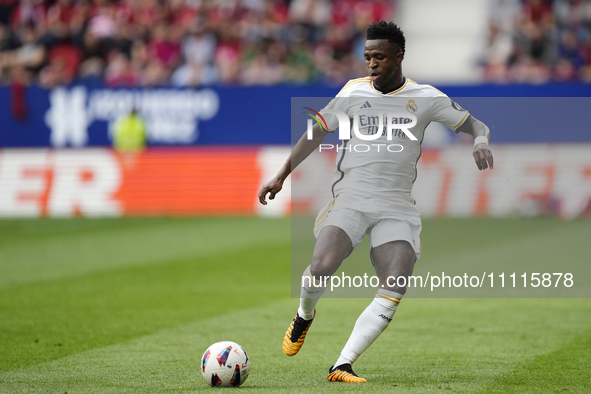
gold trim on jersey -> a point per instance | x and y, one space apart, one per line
396 91
437 89
353 82
462 121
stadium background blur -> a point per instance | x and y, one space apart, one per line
120 266
209 75
256 42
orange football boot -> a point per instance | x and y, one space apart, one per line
344 373
296 334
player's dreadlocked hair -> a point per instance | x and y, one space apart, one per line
386 31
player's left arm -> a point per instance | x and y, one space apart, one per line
481 133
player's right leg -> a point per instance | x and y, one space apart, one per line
333 245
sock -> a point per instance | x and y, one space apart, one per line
309 295
372 322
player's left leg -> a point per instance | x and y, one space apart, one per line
391 260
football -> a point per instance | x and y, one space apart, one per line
225 364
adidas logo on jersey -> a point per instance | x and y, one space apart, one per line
366 105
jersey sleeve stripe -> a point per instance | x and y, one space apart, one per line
437 89
461 121
354 81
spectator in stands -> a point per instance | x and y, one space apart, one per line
102 23
139 55
198 45
121 40
227 55
28 12
193 74
154 74
92 47
119 72
165 45
538 40
28 55
205 42
258 42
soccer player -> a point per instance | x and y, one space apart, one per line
372 190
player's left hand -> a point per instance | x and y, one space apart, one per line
483 156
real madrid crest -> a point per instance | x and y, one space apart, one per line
411 106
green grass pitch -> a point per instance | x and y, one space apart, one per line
129 306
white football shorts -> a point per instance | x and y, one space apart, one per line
383 221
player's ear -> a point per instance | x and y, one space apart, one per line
399 57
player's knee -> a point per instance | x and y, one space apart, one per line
321 269
324 265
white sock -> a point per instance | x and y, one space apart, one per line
372 322
310 294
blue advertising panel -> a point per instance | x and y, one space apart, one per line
83 115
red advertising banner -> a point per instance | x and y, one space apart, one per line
102 182
528 180
189 182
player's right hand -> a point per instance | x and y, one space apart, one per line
272 188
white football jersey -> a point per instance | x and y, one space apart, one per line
386 166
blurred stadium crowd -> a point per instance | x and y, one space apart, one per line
185 42
538 41
261 42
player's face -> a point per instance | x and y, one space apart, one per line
383 60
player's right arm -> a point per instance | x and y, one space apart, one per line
448 112
301 150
